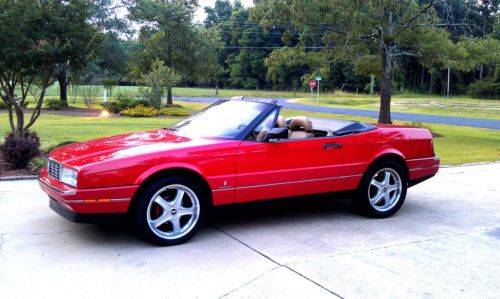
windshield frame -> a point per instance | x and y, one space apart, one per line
244 133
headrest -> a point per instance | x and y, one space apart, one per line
281 121
301 122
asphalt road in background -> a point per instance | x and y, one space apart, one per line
443 243
427 118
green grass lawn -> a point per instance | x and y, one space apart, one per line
405 102
458 145
413 103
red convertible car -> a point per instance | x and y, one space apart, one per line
233 151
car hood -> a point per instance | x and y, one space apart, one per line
122 146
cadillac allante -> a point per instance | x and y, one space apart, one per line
234 151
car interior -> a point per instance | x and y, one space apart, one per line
301 127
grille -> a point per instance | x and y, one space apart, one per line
54 169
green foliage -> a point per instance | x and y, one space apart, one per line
158 79
53 104
486 89
174 111
123 101
168 35
140 111
36 165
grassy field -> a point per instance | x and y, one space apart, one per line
413 103
405 102
457 145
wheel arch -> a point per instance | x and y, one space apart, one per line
394 157
177 170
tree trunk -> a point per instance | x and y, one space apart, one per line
385 88
63 88
169 96
448 82
481 72
422 74
19 130
217 89
431 83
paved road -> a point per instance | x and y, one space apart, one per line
427 118
443 243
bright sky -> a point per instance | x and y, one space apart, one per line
200 14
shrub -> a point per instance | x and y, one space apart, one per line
140 111
19 151
123 102
53 104
139 102
174 111
36 165
485 90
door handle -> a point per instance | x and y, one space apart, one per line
332 145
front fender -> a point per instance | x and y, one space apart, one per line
165 166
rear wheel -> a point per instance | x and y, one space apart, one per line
382 190
170 211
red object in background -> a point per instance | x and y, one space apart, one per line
312 83
241 162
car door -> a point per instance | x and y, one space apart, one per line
284 168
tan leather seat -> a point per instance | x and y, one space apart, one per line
280 122
300 127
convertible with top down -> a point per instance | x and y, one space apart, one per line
234 151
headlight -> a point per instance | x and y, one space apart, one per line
69 176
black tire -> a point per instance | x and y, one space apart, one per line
366 190
148 211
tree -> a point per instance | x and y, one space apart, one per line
159 78
81 38
168 35
221 12
386 28
31 49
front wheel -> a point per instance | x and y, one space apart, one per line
170 211
382 190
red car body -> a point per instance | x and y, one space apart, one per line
112 170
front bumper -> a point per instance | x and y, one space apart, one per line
81 205
97 218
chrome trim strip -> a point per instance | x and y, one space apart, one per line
292 182
420 168
223 189
428 158
110 200
72 192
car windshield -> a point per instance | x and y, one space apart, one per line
225 119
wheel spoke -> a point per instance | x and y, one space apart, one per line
377 184
391 188
378 198
387 199
185 211
176 224
178 198
161 202
387 177
161 220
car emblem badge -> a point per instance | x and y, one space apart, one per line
173 212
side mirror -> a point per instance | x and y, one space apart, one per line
276 133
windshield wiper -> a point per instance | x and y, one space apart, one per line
175 128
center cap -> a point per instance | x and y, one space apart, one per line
385 189
173 212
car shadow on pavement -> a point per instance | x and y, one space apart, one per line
282 210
